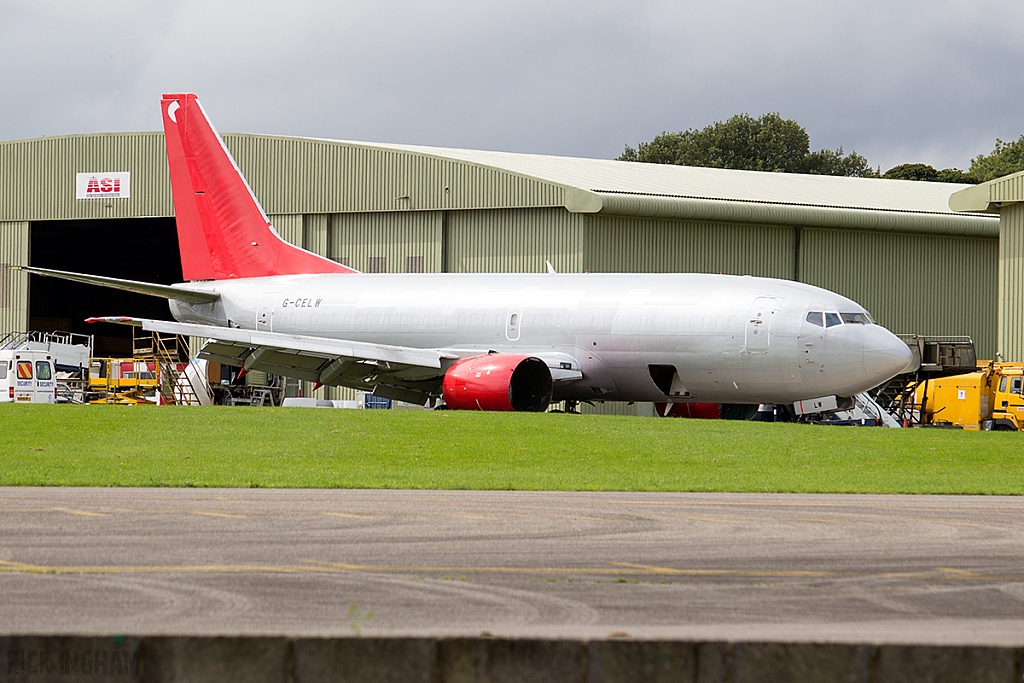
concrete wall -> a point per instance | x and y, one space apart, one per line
166 659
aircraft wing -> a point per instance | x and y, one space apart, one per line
398 372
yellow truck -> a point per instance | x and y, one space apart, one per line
992 398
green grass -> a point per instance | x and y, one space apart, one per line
275 447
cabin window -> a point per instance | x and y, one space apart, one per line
43 370
24 369
856 318
3 370
1002 385
814 318
832 319
1015 385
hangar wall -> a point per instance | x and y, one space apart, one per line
514 241
14 251
914 284
619 244
1011 278
394 242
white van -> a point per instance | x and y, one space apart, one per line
27 377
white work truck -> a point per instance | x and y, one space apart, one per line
27 377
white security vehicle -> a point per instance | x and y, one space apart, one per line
27 377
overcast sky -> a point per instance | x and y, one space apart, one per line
932 81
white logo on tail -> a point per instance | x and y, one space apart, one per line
172 108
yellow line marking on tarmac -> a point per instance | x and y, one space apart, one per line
950 522
597 519
84 513
841 522
346 514
618 569
208 513
715 519
489 519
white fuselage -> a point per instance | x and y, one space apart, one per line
731 339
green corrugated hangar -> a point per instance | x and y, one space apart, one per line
894 246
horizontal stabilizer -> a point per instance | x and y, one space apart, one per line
147 288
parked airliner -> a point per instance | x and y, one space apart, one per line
488 341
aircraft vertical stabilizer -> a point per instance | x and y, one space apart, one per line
223 232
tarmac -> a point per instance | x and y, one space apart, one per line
841 568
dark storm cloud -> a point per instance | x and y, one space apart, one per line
926 81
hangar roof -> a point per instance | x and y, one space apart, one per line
990 196
606 176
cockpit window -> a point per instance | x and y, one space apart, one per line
814 317
856 318
832 319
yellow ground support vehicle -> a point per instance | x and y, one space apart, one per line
991 398
124 380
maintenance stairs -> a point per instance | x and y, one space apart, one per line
934 357
176 386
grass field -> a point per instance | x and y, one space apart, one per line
276 447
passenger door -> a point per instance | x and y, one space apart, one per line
265 312
759 324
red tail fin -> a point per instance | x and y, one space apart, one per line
223 232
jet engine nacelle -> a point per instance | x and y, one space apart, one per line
498 381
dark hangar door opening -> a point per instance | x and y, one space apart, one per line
143 249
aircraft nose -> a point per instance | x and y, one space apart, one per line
885 354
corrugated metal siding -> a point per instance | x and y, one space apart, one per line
14 251
1011 283
614 244
910 283
1007 189
37 177
290 228
298 175
355 238
513 241
315 236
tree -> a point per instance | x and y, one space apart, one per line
768 143
928 173
1006 158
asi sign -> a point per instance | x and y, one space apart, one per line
117 185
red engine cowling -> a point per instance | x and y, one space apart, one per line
703 411
498 381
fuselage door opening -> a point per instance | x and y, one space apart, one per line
759 324
265 312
